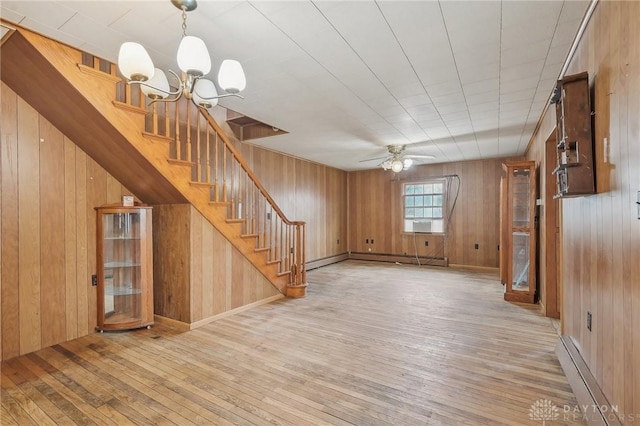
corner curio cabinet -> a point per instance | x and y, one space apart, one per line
125 267
518 233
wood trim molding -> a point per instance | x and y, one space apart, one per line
408 259
183 326
475 268
99 74
318 263
589 395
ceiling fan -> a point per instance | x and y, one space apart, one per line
397 160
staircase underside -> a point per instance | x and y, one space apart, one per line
33 77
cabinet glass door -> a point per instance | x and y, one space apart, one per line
121 268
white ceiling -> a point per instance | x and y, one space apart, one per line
461 80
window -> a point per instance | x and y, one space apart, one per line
423 206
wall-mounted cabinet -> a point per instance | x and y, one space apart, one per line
575 174
518 231
125 268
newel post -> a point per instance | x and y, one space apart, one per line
298 285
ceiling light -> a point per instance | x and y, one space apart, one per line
194 62
407 163
397 165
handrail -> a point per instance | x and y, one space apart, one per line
246 167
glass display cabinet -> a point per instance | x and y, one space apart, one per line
518 227
125 267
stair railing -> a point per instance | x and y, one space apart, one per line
197 140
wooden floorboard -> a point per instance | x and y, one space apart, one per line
371 344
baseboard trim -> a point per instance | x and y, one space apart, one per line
594 406
381 257
184 326
318 263
475 268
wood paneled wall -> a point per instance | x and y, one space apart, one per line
48 226
197 272
375 213
601 233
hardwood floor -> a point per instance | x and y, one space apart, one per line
372 343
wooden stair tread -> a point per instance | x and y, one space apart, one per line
180 162
162 138
202 184
236 220
219 203
283 273
260 249
273 262
129 108
249 236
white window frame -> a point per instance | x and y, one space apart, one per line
433 223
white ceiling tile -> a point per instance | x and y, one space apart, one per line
415 100
473 74
492 84
533 52
450 99
446 88
520 84
483 98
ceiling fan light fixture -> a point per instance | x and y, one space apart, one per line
408 162
397 165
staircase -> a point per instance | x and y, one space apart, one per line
165 153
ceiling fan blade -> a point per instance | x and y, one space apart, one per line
373 159
425 157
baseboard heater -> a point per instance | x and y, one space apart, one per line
594 408
324 261
409 259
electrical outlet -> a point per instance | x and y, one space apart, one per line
338 242
477 246
94 280
426 243
366 241
589 320
371 241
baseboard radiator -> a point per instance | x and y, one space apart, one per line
593 406
409 259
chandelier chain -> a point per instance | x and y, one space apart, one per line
184 21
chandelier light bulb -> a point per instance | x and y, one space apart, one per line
193 57
134 62
157 87
205 93
231 76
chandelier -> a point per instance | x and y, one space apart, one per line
195 63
